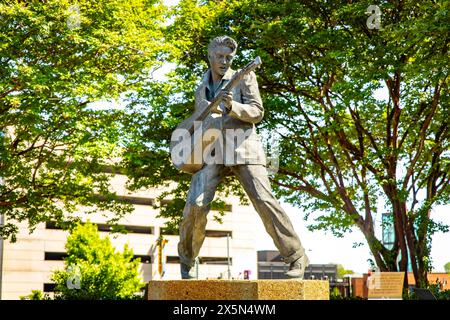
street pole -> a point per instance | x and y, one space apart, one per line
196 268
2 222
228 255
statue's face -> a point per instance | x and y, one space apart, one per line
220 59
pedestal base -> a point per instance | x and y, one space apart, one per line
238 290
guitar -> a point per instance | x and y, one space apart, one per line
187 142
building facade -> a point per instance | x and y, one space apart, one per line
228 250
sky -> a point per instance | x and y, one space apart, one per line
323 248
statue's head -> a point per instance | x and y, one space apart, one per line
221 52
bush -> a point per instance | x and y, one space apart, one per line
94 270
36 295
435 290
438 293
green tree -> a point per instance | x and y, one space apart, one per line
342 271
36 295
57 59
94 270
346 152
447 267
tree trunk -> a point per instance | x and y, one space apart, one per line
400 232
386 260
422 249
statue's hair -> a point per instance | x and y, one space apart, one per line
225 41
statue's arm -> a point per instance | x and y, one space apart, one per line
200 94
200 98
251 110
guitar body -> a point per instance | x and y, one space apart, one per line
188 144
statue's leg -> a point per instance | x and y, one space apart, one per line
254 179
192 227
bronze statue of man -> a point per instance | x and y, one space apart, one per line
241 108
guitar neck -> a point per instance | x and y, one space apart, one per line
230 85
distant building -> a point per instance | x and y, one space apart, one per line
440 278
271 266
388 236
387 229
28 264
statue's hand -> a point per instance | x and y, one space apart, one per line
227 98
217 110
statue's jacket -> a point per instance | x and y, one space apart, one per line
246 111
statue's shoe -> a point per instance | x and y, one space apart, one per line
297 267
187 272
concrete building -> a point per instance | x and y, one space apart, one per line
28 264
271 266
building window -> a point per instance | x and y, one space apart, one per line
202 260
143 258
214 206
168 232
49 287
103 227
172 259
52 225
55 255
218 233
139 229
227 207
132 200
130 229
208 233
137 200
215 260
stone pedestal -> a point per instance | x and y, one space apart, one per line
238 290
